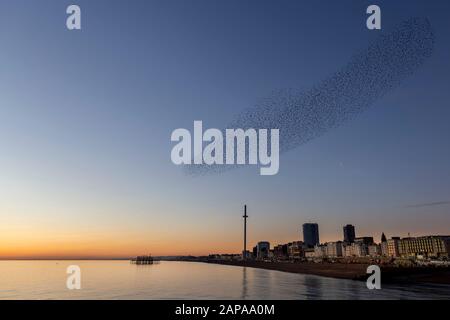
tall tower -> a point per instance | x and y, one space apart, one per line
310 234
349 233
245 216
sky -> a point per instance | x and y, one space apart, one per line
86 118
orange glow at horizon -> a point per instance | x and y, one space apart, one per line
43 243
65 237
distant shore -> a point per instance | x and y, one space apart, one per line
351 271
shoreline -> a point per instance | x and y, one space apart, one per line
350 271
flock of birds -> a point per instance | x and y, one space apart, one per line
304 115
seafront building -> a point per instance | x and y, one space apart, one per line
311 234
329 250
347 251
392 247
280 252
384 248
374 250
320 251
296 250
367 241
357 249
335 249
309 254
424 247
349 233
262 250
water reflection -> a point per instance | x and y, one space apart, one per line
187 280
244 283
313 287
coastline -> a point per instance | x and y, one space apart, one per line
339 271
349 271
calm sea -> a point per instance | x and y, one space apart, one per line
186 280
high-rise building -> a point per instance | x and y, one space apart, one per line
349 233
310 234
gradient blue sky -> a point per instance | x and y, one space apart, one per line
86 118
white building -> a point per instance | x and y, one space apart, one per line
334 249
320 251
359 249
356 249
